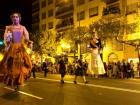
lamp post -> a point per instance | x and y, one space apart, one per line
79 46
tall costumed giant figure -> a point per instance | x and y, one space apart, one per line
16 63
95 66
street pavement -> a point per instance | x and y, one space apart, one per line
49 91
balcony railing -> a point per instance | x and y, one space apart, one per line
64 9
35 7
132 8
65 23
113 10
63 2
110 1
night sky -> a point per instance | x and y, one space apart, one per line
22 6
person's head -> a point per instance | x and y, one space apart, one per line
94 35
15 17
46 59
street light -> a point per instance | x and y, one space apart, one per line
1 42
79 46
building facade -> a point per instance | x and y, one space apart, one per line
35 15
61 15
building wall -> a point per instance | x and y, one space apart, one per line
48 19
85 7
35 15
110 48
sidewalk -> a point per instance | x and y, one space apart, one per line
71 77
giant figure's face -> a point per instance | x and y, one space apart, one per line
16 18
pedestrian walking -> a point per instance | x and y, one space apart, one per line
34 69
80 71
45 67
62 69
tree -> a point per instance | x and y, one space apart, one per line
77 36
116 28
107 28
43 42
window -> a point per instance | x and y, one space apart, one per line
44 15
50 13
81 16
50 2
50 25
43 27
80 2
132 8
115 8
43 4
111 1
35 7
35 18
93 11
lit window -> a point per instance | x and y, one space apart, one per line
81 16
80 2
132 8
43 15
111 1
50 2
50 13
43 27
50 25
93 11
43 4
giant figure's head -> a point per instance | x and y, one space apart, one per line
15 17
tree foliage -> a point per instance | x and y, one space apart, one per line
107 28
43 42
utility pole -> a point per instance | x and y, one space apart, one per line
79 45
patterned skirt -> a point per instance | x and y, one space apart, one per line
15 65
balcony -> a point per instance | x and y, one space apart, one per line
132 8
68 9
63 2
113 10
35 7
111 1
65 24
35 19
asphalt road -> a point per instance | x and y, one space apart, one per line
49 91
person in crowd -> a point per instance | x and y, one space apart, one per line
16 63
109 69
45 67
115 70
132 68
62 69
128 70
80 71
34 69
138 68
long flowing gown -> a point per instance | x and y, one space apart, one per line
16 63
95 65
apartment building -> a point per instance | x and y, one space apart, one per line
65 14
61 15
127 11
35 14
